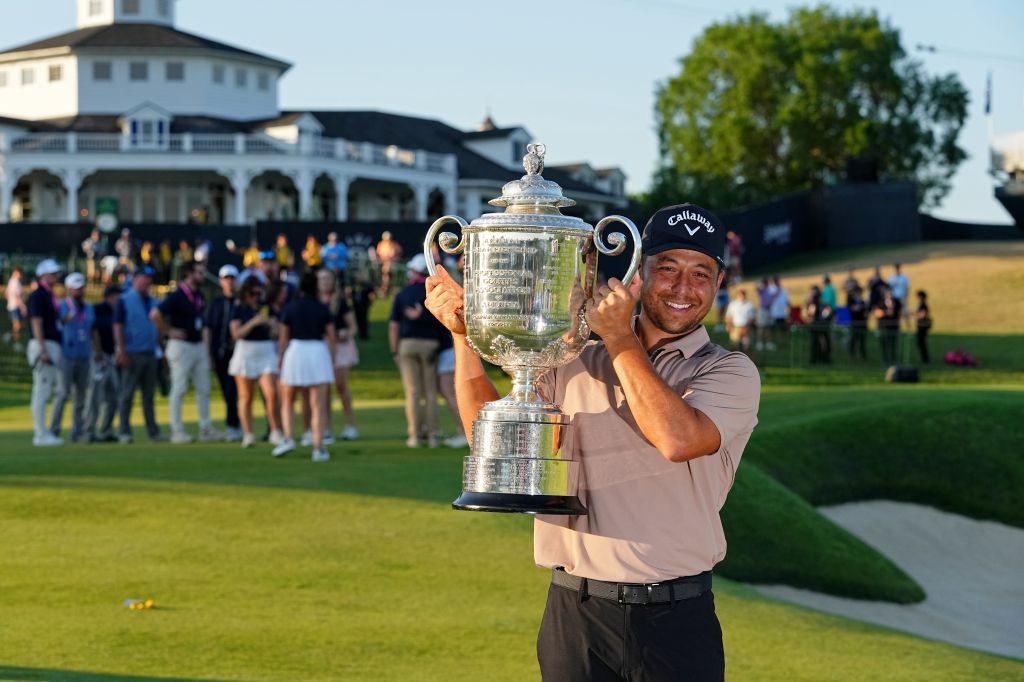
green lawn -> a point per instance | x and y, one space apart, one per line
269 569
358 569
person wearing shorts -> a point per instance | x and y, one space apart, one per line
254 360
346 356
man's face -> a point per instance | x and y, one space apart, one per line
227 286
112 300
197 276
678 290
141 283
77 294
269 268
49 279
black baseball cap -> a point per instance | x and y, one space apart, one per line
685 226
112 289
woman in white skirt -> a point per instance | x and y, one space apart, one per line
306 363
254 360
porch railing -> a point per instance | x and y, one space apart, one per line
226 143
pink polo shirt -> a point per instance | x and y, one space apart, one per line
648 519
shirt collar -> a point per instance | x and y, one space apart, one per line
688 344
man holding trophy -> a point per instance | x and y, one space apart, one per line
659 415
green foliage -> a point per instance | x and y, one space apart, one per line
761 109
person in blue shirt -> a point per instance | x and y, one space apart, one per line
335 256
135 341
106 380
77 350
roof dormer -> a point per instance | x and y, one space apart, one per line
104 12
146 127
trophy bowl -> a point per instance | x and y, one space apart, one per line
529 272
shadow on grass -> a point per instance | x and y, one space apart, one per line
378 464
16 674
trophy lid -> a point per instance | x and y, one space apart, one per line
532 189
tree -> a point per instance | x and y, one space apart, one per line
761 109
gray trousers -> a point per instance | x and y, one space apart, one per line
141 373
75 385
106 387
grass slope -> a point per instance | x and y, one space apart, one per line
958 450
269 569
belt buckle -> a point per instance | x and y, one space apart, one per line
642 594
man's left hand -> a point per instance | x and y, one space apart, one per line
610 312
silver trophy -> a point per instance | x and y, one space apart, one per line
528 274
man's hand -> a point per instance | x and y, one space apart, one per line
446 299
610 312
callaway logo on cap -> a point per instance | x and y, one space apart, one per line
686 226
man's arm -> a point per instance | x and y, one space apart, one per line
473 388
678 431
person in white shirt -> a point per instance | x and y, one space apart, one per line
17 311
739 318
900 285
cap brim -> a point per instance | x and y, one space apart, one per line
661 248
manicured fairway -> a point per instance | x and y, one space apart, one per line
352 570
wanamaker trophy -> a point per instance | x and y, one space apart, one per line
528 274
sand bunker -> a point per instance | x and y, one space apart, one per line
971 571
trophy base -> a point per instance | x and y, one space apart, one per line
562 505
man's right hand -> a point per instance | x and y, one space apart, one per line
446 300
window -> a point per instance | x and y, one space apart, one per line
28 76
263 80
101 71
3 79
138 71
130 6
56 72
163 7
218 73
241 78
95 7
518 151
175 71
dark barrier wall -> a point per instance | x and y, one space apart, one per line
772 231
861 214
938 229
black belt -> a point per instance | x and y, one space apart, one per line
633 594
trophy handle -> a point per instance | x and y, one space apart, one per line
617 240
446 240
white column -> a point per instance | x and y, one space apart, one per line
421 195
473 203
240 185
182 204
8 181
161 207
72 178
450 205
341 185
304 184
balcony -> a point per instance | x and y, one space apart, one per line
233 144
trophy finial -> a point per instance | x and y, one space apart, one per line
533 162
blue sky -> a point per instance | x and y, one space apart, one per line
578 74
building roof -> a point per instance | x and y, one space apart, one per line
411 132
141 36
110 123
490 133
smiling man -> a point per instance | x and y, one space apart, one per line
661 416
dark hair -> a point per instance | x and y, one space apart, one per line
251 284
922 293
190 265
308 285
274 288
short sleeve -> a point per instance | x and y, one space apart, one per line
396 310
167 306
728 391
34 307
288 314
120 313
